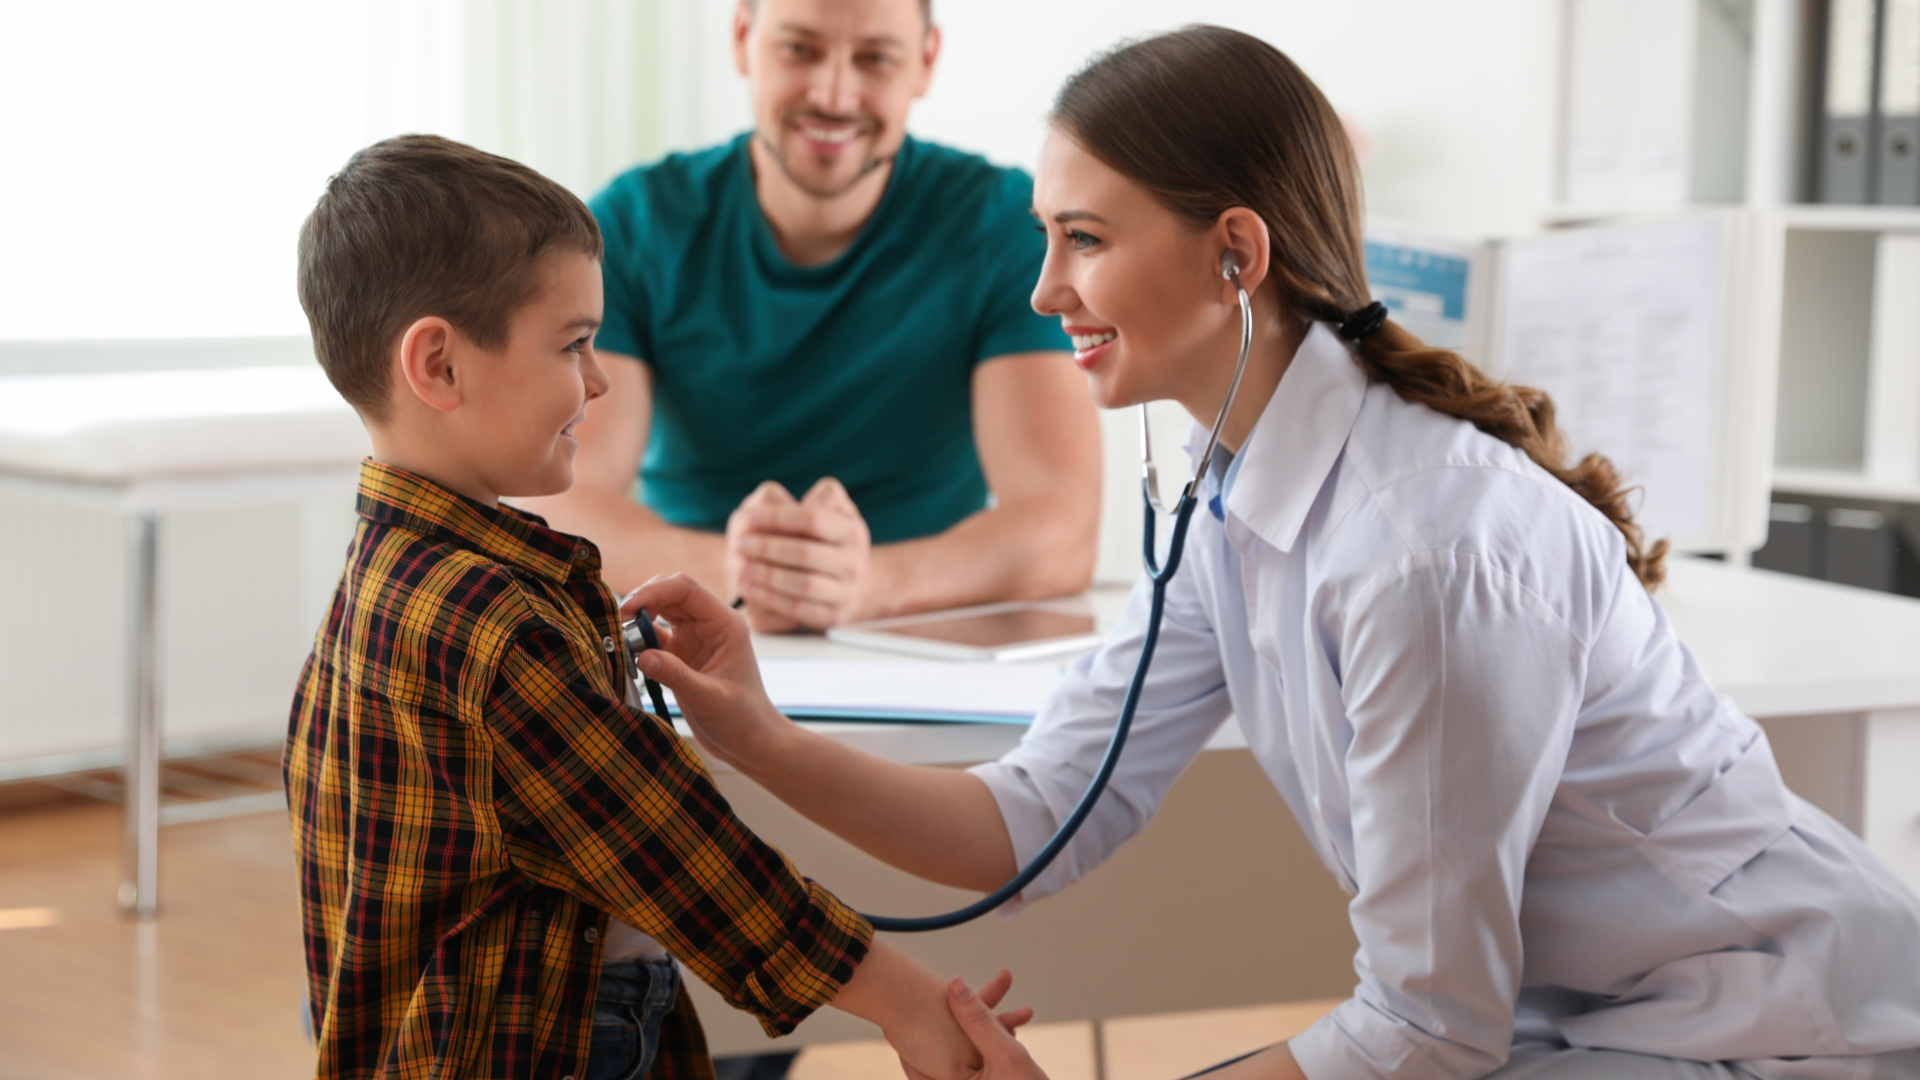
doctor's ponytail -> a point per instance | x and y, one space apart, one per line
1207 119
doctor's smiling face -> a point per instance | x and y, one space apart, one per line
1137 288
832 83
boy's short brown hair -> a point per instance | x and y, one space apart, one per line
418 225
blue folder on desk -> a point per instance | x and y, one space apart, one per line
914 691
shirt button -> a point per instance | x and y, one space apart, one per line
592 935
580 553
606 643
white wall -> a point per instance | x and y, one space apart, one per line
1456 99
1456 104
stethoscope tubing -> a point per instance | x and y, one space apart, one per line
640 636
1161 576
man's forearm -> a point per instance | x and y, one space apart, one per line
1021 551
635 544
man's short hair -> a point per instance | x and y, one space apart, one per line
926 9
418 226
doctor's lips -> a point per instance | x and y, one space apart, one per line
1089 342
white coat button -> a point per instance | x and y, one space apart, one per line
592 935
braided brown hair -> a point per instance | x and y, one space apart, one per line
1207 119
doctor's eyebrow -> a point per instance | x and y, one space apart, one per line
1066 216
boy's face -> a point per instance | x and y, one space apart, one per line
521 403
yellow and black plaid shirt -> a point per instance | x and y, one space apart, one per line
472 796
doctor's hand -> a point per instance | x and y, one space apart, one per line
706 659
800 563
991 1035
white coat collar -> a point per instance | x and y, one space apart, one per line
1292 448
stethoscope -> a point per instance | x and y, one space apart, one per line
640 637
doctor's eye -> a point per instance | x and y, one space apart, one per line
1081 241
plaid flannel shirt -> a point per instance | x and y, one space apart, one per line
472 796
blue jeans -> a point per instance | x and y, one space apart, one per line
634 996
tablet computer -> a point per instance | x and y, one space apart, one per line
1020 630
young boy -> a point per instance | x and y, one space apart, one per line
500 854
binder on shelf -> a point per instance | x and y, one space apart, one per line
1899 98
1790 547
1846 123
1860 549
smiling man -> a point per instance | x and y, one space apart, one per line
825 373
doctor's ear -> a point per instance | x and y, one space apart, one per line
427 363
1242 237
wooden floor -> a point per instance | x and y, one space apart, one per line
214 988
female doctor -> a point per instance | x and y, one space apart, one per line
1567 855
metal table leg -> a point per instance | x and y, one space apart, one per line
139 889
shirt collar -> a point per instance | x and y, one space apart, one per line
396 497
1290 453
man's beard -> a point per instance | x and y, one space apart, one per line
780 159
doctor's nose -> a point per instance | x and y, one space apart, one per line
1051 294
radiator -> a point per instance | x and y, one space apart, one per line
241 591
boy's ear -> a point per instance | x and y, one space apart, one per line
427 363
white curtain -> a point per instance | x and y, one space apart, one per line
159 157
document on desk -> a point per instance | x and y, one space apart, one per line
923 691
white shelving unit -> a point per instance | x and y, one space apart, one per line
1848 418
1846 326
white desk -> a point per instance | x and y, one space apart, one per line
1221 902
143 444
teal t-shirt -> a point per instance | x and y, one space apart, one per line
858 369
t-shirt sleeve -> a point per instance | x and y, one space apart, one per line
1010 252
606 802
621 211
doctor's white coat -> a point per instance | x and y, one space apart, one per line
1552 827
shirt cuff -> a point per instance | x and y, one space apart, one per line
1358 1040
1030 824
809 968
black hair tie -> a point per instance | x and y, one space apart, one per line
1364 323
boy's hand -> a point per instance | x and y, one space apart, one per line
706 659
909 1004
991 1035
